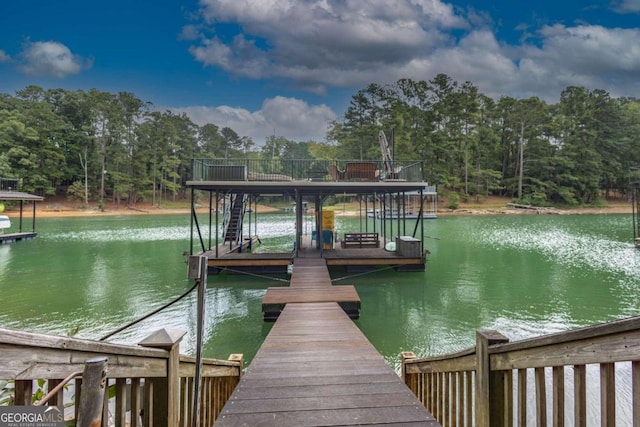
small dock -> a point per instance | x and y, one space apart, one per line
316 368
9 193
310 283
16 237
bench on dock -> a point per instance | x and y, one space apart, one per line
360 240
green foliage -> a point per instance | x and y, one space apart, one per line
453 201
533 199
567 153
6 392
75 191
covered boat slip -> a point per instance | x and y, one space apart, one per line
9 193
228 237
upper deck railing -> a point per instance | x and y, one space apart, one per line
303 170
7 184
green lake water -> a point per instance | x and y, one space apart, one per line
522 275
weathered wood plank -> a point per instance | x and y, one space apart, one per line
580 395
607 394
635 380
305 403
588 350
343 293
59 363
522 397
459 364
541 397
360 416
558 396
33 340
246 393
316 368
120 416
586 333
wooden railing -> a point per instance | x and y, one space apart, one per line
561 378
149 385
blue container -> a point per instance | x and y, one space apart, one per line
327 239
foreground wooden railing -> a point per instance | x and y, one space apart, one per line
149 385
561 378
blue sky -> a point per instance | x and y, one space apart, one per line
290 67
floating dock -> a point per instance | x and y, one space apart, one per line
16 237
310 283
316 368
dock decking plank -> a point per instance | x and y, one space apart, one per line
327 402
396 415
299 377
280 295
316 368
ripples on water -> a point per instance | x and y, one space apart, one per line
522 276
576 250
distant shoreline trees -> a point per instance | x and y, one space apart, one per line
101 146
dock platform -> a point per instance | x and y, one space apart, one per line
310 283
316 368
335 257
16 237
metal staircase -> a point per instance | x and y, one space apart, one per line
233 217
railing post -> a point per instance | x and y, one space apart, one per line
237 357
166 391
406 355
490 386
93 390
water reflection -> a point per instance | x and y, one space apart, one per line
524 276
5 259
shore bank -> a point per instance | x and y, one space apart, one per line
493 206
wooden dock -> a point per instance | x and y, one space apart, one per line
310 283
16 237
337 256
316 368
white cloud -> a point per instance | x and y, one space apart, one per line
587 55
4 57
318 44
292 118
51 58
627 6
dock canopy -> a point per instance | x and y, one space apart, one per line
234 184
8 193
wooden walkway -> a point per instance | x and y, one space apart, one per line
310 282
316 368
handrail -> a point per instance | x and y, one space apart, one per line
57 388
151 384
302 170
501 383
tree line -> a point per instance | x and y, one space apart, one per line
585 146
98 146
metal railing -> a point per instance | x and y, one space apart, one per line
561 378
307 170
149 385
7 184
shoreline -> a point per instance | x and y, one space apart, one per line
58 211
